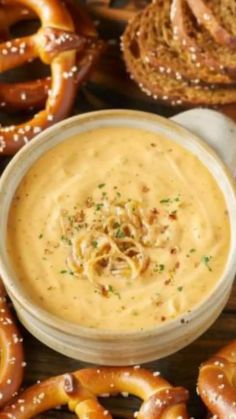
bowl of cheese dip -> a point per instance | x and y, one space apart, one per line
118 236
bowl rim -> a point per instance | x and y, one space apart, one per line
17 291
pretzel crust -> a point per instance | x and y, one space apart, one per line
9 15
55 44
80 390
12 358
33 94
216 382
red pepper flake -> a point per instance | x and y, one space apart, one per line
89 202
177 265
173 251
168 281
145 189
173 216
153 215
163 318
164 228
104 291
154 211
153 145
79 216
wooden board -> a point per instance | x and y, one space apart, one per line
180 368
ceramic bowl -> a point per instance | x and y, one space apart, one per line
103 346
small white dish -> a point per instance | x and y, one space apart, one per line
102 346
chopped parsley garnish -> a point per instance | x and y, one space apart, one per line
98 207
120 234
41 236
190 251
65 271
180 289
164 201
112 290
169 201
118 194
116 225
206 260
101 185
66 240
94 243
159 267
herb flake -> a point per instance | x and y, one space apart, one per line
206 260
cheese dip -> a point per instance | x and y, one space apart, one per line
119 229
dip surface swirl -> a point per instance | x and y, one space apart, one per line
118 228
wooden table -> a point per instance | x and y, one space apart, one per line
180 368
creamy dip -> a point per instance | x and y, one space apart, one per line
118 228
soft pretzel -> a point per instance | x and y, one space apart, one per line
9 15
35 92
80 390
216 383
55 43
12 359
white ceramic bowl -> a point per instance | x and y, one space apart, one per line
102 346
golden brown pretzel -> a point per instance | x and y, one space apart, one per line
80 391
35 92
216 383
12 359
55 43
9 15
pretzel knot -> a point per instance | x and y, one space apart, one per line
216 383
12 359
80 390
55 43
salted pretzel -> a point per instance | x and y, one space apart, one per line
9 15
217 383
12 358
55 44
35 92
79 390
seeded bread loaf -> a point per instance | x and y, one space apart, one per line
163 87
158 48
197 41
218 17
